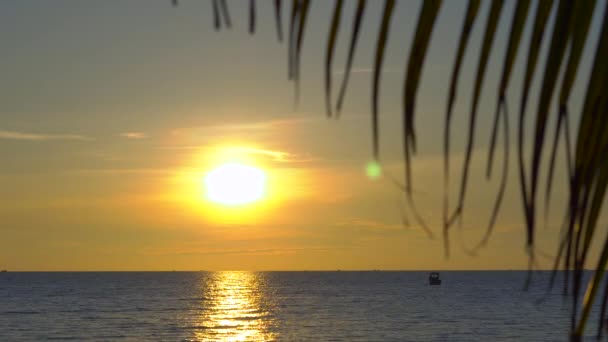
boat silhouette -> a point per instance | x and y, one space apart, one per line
434 278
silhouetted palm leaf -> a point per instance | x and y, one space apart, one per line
426 23
587 165
216 15
251 16
225 13
469 21
542 15
488 39
382 38
580 26
277 13
331 47
357 20
517 26
301 28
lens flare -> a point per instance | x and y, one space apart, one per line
373 170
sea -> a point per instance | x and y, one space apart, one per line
282 306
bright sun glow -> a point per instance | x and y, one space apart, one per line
235 184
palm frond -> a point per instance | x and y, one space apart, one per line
357 20
331 47
422 37
542 15
586 164
557 51
216 15
469 21
278 4
251 16
225 13
301 28
295 10
488 40
389 6
590 168
517 27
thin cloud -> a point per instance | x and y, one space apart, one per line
272 155
245 127
258 251
149 171
277 156
133 135
12 135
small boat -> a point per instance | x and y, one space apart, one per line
434 278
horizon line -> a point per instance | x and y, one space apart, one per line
262 271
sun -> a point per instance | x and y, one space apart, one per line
235 184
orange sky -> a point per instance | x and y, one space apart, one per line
112 115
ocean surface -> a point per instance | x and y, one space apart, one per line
280 306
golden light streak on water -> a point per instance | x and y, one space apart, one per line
234 309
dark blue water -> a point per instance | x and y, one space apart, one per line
279 306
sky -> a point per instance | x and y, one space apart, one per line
113 112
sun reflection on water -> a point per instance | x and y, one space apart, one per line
234 309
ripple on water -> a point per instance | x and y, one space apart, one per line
283 306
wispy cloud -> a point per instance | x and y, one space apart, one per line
277 156
253 251
142 171
134 135
272 155
257 126
39 136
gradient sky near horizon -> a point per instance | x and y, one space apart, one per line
111 113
